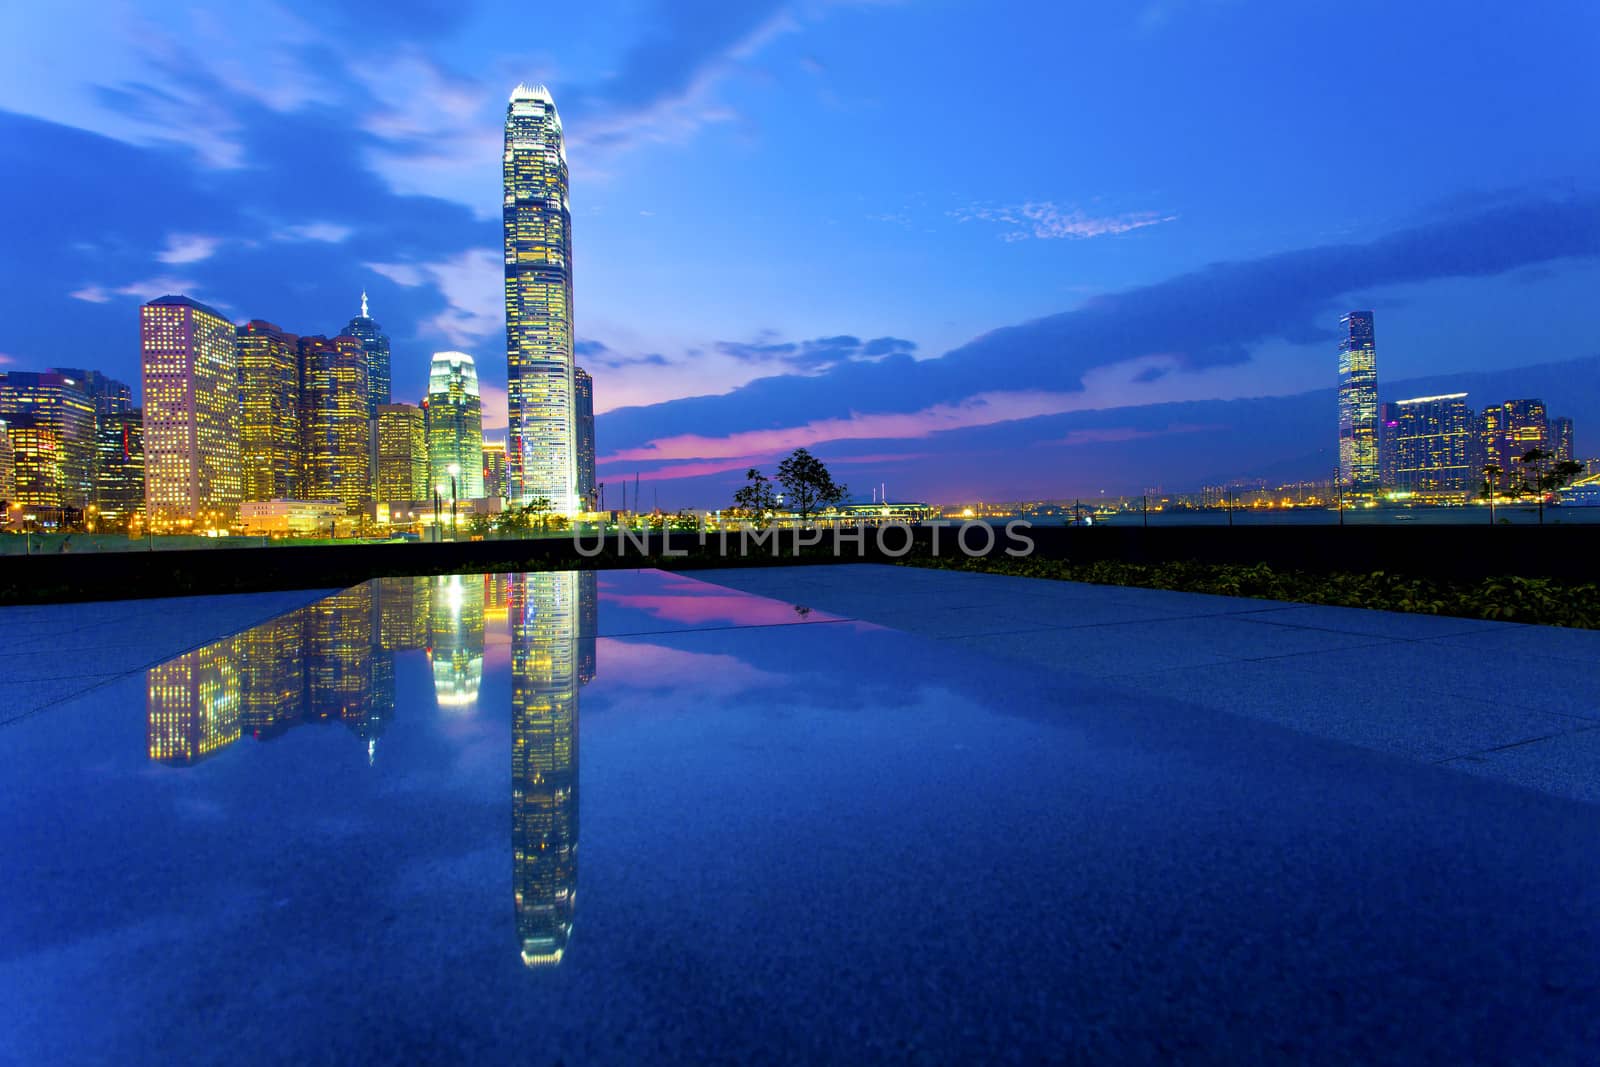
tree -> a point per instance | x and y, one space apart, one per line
478 525
756 499
807 485
1546 478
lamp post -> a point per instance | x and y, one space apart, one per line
438 519
454 469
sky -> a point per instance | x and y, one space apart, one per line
957 249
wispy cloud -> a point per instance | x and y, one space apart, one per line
472 285
188 248
327 232
1049 221
145 289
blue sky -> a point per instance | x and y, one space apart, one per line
931 241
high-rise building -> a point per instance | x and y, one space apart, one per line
190 364
109 396
270 410
494 469
455 635
1358 404
334 424
8 471
1433 447
544 615
455 425
1388 427
376 343
119 465
36 462
1506 433
402 453
583 416
59 403
541 450
1561 438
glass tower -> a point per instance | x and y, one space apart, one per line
541 453
376 343
190 360
455 426
269 408
336 431
57 401
1358 404
583 418
1433 447
402 453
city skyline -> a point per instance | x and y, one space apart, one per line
741 297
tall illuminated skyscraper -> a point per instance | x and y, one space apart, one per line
270 406
119 465
541 450
335 430
402 453
365 329
583 416
1433 447
190 363
58 402
1358 404
544 616
455 425
8 469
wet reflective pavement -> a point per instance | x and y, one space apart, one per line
634 817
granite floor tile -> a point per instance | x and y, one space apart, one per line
1566 765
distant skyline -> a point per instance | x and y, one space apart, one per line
925 241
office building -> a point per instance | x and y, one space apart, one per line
119 466
56 402
455 426
402 453
1432 446
1358 404
1561 438
8 471
583 415
35 462
376 344
1506 433
190 361
270 406
336 432
107 395
541 458
494 469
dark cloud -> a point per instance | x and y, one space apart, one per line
1209 317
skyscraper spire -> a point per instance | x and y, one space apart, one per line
364 304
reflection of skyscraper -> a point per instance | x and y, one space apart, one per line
455 634
544 615
1358 403
588 623
537 219
403 612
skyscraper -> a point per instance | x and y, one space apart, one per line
336 431
35 462
119 465
109 396
402 453
270 409
376 344
541 449
1561 437
57 402
1358 404
1433 447
455 425
583 415
8 471
191 414
494 469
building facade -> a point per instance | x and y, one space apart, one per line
35 462
455 425
1432 445
8 473
402 452
60 403
1358 404
541 451
190 364
376 344
1506 433
119 466
583 415
494 469
336 432
270 408
1561 438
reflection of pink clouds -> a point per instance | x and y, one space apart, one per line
981 410
630 663
735 609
